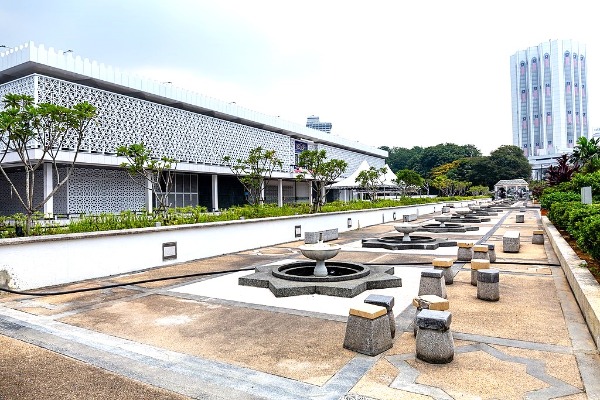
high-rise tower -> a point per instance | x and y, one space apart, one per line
549 100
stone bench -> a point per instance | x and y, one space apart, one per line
520 218
538 237
313 237
428 302
511 242
409 217
387 302
444 265
368 330
488 284
434 343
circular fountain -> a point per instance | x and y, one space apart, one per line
406 241
341 279
467 216
444 226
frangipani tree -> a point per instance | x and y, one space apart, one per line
255 171
158 172
36 134
324 172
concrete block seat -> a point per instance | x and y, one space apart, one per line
481 252
511 242
488 284
387 302
432 282
477 265
445 265
538 236
434 343
368 330
428 302
465 251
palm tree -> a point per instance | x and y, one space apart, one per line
586 154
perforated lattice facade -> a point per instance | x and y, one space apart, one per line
183 135
103 190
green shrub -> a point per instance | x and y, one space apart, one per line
577 215
559 212
581 180
550 197
589 236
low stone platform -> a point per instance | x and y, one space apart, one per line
379 277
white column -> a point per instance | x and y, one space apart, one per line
262 193
215 192
310 199
149 194
280 193
48 186
323 194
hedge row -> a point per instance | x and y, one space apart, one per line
581 221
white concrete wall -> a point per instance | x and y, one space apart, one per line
51 260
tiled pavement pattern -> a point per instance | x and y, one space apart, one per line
167 340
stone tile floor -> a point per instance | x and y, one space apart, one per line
209 338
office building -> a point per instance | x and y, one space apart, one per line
549 100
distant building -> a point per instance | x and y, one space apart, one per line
314 123
549 100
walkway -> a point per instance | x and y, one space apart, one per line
209 338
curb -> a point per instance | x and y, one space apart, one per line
584 286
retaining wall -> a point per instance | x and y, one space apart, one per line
34 262
584 286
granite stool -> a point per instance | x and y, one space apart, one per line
476 265
368 330
432 282
480 252
520 218
444 265
387 302
511 242
491 251
465 251
428 302
434 343
538 237
488 284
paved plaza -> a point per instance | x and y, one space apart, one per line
207 337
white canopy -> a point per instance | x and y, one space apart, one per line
350 181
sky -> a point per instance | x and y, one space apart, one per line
384 73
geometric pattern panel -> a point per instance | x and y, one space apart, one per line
9 202
183 135
93 191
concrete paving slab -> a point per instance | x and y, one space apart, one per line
206 337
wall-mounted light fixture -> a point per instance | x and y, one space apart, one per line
349 222
394 215
169 251
298 231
